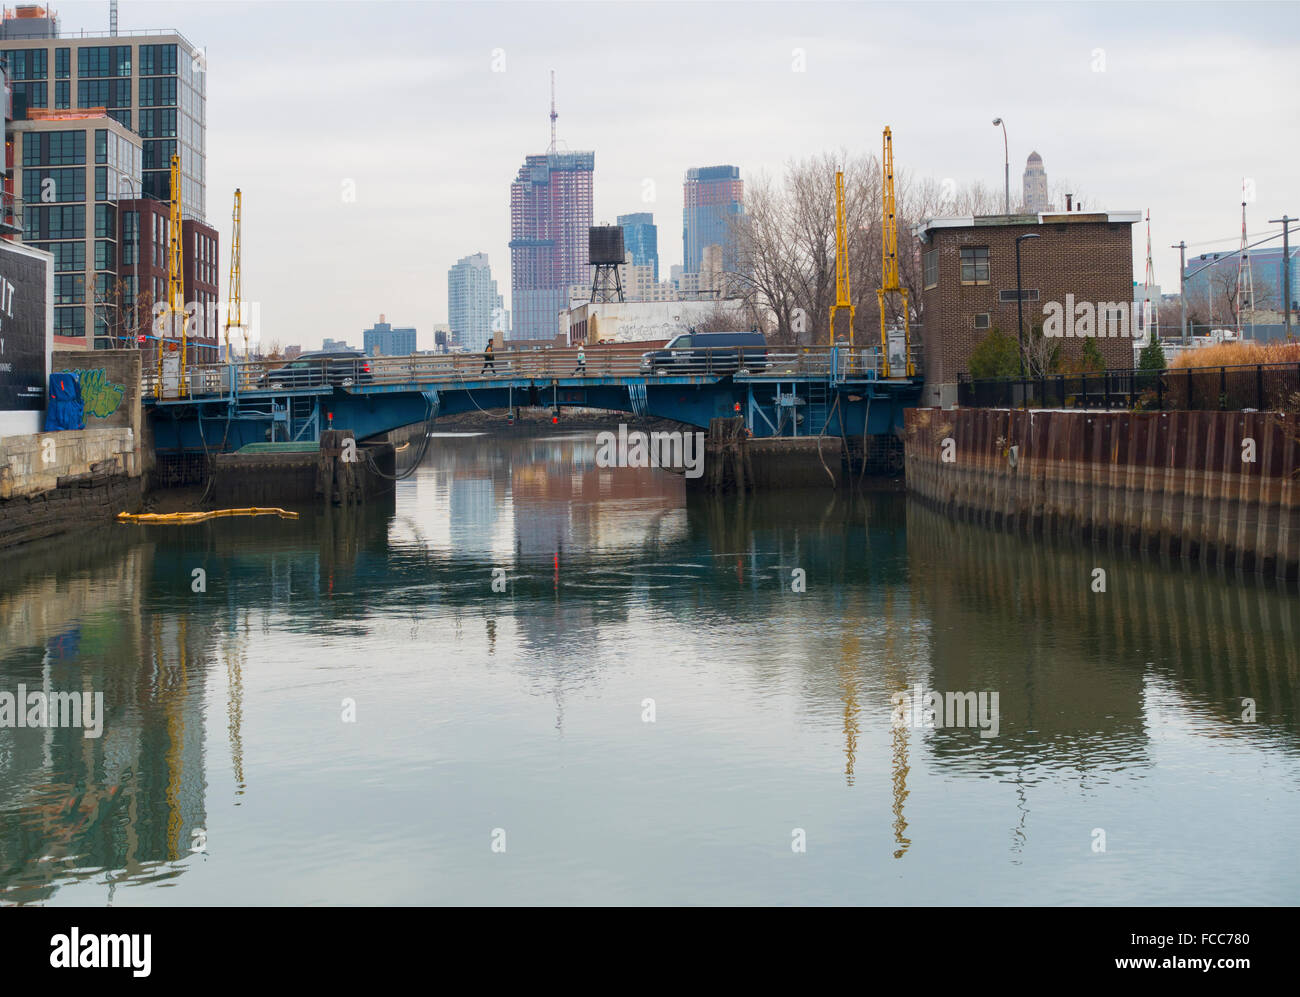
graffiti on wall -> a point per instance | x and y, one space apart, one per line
100 396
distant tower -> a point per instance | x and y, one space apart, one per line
550 212
1035 182
1245 284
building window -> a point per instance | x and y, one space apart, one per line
63 95
51 221
105 221
105 258
62 63
93 62
68 256
70 321
157 60
931 262
975 264
53 148
130 238
159 123
159 92
27 63
50 186
70 289
982 320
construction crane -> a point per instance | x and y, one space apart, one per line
175 282
889 270
234 308
843 299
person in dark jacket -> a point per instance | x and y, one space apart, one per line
489 359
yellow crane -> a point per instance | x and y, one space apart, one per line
843 299
889 269
234 309
175 281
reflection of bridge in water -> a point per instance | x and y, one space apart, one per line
789 392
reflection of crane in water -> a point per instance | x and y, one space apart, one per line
849 652
173 703
895 681
235 710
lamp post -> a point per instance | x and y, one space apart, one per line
1020 304
1006 167
135 297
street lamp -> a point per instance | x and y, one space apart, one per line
1006 167
1020 304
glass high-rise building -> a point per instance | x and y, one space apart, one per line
550 213
641 239
473 302
713 199
96 120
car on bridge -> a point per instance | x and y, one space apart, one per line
708 353
314 370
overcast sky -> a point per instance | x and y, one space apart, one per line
1164 106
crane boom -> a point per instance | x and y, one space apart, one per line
175 281
889 283
234 308
843 299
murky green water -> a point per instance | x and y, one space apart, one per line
646 714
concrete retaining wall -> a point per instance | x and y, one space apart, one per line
1177 483
37 463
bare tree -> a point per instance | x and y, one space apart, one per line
787 244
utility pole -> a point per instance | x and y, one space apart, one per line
1182 282
1286 269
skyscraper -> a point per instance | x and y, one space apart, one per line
713 198
641 239
1035 184
472 299
550 212
96 120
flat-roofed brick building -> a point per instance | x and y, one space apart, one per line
969 283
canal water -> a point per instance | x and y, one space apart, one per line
529 679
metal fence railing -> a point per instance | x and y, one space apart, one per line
546 364
1228 388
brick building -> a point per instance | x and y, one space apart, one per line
969 283
146 242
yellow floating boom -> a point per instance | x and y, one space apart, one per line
199 517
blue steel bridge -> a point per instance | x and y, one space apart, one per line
789 392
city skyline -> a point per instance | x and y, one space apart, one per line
421 180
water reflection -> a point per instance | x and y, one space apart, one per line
616 585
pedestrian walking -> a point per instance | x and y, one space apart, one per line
582 362
489 359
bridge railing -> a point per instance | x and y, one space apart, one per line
616 361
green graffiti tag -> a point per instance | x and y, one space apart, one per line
100 396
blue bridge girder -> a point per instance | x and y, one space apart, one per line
818 395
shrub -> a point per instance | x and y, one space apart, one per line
995 355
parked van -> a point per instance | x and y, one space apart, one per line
708 353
